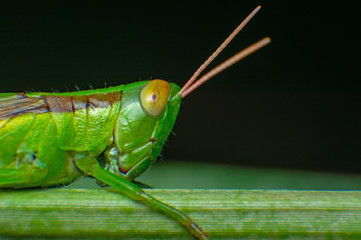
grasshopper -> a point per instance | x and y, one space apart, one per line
112 134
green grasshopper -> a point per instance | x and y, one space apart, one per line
112 134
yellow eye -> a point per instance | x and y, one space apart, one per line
154 97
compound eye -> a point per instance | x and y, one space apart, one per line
154 97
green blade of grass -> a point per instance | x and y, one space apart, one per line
241 214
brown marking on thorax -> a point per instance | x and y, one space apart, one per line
78 102
19 104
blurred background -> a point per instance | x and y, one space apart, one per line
289 116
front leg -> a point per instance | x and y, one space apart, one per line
90 166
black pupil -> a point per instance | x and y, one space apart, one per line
154 97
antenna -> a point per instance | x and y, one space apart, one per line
188 87
229 62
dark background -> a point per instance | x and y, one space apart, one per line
295 104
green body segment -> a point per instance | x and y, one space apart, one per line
108 124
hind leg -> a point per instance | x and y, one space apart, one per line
25 170
9 177
23 177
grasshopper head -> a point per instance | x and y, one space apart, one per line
148 112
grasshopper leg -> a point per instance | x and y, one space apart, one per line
91 167
20 177
10 177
